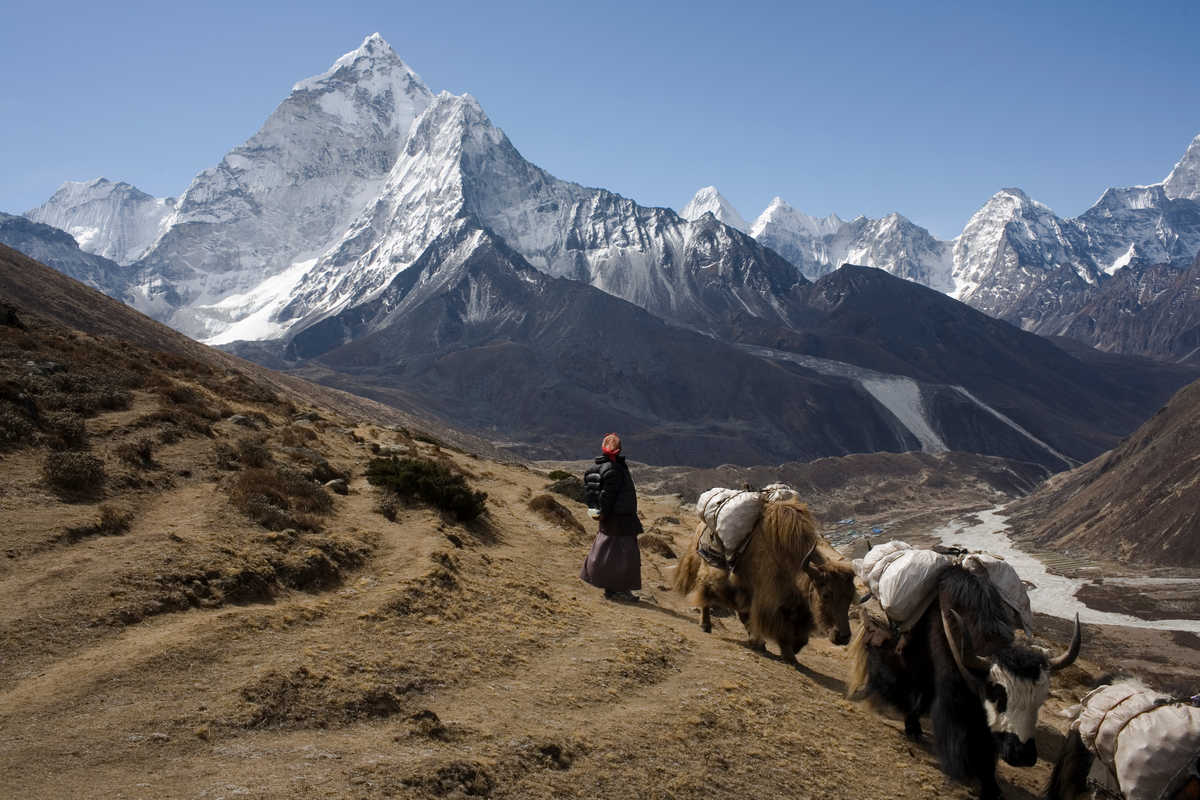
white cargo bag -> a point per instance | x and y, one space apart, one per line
779 492
1149 748
907 586
731 514
1007 582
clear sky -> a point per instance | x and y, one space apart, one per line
853 108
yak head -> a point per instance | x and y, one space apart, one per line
1011 685
833 589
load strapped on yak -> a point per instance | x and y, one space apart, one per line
729 517
1146 742
903 583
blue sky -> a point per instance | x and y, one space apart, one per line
926 109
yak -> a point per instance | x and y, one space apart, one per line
960 664
1131 742
787 582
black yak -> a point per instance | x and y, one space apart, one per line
959 663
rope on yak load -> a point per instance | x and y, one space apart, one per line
1145 742
727 535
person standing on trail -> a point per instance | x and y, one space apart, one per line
615 562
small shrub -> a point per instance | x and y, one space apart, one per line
389 506
74 473
111 523
429 482
139 453
571 487
554 511
180 416
182 395
558 474
15 428
297 435
280 498
66 431
170 435
253 453
421 436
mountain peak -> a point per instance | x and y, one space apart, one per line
709 200
780 216
373 63
1184 180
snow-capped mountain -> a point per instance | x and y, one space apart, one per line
1017 260
819 245
456 162
797 237
361 167
1184 181
709 201
243 232
114 220
1007 250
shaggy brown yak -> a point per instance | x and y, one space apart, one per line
788 581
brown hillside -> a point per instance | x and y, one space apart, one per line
185 612
34 288
1138 503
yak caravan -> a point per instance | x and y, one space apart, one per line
943 631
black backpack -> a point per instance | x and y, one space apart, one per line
591 487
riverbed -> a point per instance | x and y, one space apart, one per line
1051 594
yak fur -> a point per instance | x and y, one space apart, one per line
918 674
774 592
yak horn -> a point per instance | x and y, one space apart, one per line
1068 658
808 556
957 640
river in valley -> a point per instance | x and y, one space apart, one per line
1051 594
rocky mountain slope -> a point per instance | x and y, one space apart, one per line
110 219
1139 502
980 380
487 340
51 245
1146 310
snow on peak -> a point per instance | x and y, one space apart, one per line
1184 180
373 66
780 217
111 219
709 200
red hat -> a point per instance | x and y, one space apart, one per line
611 445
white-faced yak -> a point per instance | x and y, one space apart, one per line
787 582
959 663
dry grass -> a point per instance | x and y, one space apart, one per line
280 498
74 475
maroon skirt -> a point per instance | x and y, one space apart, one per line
614 563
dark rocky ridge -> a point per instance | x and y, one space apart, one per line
1139 502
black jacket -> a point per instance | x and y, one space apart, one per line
618 497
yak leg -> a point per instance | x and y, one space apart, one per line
706 619
789 647
912 726
962 738
1069 778
757 643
